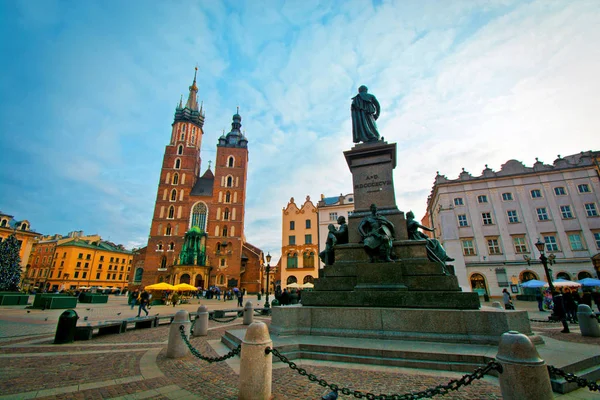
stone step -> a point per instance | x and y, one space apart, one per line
398 299
335 283
420 266
588 369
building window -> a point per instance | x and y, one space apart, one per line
513 218
482 198
507 196
163 262
308 239
88 256
98 275
468 248
292 225
308 260
171 212
226 214
458 201
171 248
86 265
84 275
487 218
78 264
590 210
560 191
159 246
230 161
99 266
224 232
76 274
80 255
333 216
565 211
536 194
307 224
177 163
597 239
542 214
199 216
502 278
228 197
101 258
292 260
575 241
462 220
62 263
551 244
173 194
292 240
493 246
180 150
175 178
520 245
168 230
583 188
229 181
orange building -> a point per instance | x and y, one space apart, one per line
197 231
25 236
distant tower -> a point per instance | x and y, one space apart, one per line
229 196
178 175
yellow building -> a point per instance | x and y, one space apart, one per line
79 262
22 230
300 243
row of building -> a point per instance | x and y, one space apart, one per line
489 223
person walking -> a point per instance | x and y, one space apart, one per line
560 311
508 305
133 298
240 298
540 300
144 300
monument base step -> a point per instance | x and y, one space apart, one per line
483 326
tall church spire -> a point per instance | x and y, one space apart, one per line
192 103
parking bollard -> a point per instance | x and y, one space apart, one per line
588 322
66 327
248 313
177 347
256 367
201 324
524 374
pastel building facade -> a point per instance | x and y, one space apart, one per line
489 223
299 261
22 231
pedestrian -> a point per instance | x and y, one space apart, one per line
144 300
240 298
560 312
570 306
133 298
540 300
508 304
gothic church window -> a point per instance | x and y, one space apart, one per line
171 212
230 161
228 197
171 246
177 163
159 246
163 262
199 216
175 179
180 150
173 195
229 181
226 214
224 231
168 230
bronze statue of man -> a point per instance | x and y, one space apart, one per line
435 250
365 110
377 234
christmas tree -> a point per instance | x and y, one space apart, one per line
10 268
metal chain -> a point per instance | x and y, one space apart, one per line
212 318
454 384
581 382
199 355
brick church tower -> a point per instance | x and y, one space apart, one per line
197 230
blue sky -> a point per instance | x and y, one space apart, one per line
88 91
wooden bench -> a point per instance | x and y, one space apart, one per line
85 332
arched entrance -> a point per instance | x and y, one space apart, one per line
199 281
583 275
185 278
308 279
527 275
291 279
563 275
478 284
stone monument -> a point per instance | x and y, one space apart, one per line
402 293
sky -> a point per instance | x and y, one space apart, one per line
88 90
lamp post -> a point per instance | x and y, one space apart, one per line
540 246
268 269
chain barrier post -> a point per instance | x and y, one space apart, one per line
524 375
256 365
201 324
496 304
177 347
248 313
588 323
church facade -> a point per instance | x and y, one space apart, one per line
197 231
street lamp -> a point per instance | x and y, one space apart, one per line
268 269
541 246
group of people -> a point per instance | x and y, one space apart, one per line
142 298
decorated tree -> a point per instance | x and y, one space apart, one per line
10 268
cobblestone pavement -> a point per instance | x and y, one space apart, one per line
134 365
